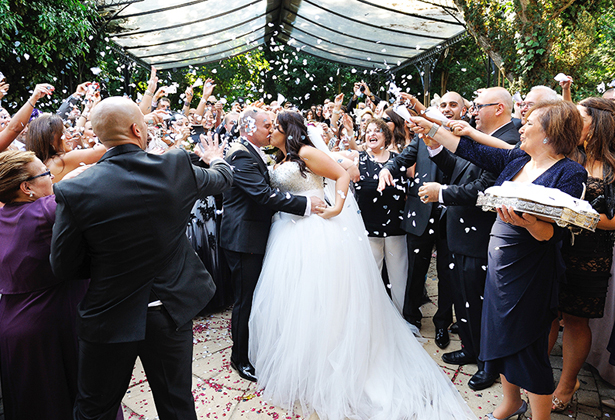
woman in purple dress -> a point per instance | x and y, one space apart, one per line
520 299
38 342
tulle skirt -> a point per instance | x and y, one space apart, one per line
324 333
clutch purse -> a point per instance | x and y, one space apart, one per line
550 203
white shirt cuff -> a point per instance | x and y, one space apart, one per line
442 188
433 152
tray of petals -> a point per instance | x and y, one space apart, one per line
544 202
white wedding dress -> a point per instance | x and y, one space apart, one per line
323 331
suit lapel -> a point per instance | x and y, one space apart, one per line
257 157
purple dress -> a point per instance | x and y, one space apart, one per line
38 340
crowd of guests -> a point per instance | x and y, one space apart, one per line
511 280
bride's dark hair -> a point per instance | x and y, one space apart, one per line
296 134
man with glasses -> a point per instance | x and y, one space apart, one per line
537 94
492 113
467 233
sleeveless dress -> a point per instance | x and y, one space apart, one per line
323 331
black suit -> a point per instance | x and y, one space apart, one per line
468 229
247 210
123 223
508 132
421 221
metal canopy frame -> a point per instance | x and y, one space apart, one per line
371 34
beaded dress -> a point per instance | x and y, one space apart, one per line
323 332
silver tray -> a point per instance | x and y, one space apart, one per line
562 216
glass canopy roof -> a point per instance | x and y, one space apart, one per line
374 34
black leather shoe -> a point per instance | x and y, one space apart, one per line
442 338
481 380
458 357
454 329
416 323
245 371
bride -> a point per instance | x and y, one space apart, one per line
323 332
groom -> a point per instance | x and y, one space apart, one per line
247 210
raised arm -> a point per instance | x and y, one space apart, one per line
21 118
146 102
462 128
208 88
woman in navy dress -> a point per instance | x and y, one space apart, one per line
38 342
520 299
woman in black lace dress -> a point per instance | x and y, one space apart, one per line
588 255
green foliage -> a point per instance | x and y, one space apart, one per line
534 40
45 41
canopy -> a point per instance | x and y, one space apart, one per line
373 34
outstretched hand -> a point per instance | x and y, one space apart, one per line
42 90
384 178
209 148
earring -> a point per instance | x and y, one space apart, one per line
545 141
31 194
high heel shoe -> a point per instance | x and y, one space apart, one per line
520 412
559 405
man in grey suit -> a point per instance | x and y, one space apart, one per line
122 223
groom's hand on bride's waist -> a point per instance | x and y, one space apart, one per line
317 205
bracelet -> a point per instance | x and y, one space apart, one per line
434 129
148 93
335 111
31 104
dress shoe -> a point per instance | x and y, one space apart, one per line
521 411
416 323
481 380
458 357
245 371
442 338
454 329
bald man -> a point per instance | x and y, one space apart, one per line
609 94
492 113
122 223
467 233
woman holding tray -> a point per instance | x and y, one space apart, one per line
520 299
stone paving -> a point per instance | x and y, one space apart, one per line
221 394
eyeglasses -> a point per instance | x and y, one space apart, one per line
526 104
478 107
48 173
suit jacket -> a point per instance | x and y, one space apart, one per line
123 224
508 132
250 203
467 226
416 213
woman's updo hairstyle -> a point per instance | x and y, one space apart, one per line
13 172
